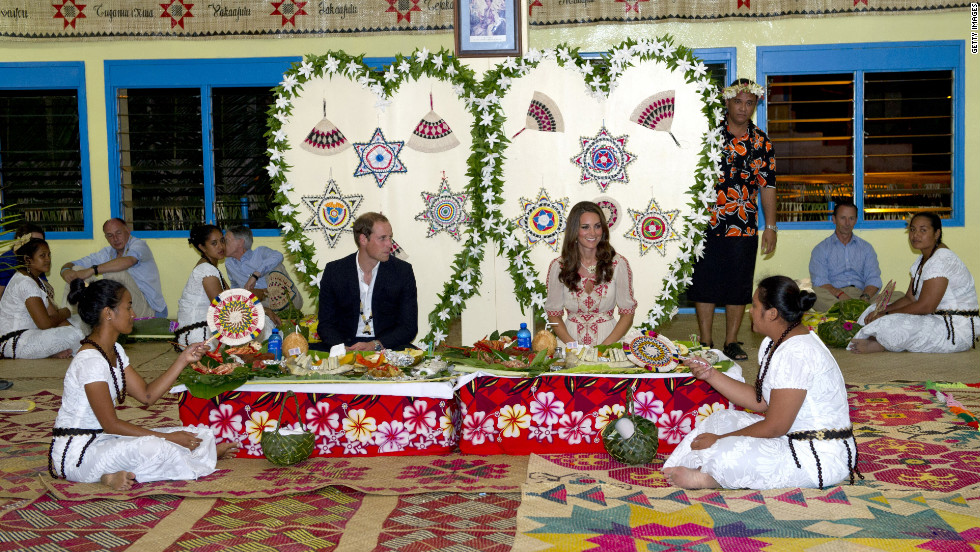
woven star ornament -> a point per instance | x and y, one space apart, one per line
656 113
653 228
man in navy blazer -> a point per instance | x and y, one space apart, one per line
368 300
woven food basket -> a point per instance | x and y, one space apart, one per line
639 448
286 450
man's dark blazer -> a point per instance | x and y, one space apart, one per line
394 304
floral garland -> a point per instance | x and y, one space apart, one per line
733 90
487 140
484 170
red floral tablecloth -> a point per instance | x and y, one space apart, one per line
344 424
562 414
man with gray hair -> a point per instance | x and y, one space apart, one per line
259 270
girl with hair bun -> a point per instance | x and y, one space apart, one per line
939 312
805 438
89 441
31 326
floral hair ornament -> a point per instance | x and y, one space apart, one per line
17 243
748 87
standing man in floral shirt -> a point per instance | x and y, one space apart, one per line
748 170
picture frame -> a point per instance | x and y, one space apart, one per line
487 28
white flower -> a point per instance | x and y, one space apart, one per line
699 250
422 55
537 300
708 196
486 119
438 337
465 287
714 156
282 103
699 217
700 69
533 55
293 245
318 278
273 170
352 68
288 83
286 187
306 69
658 47
510 243
287 227
279 135
488 196
301 267
451 70
444 314
684 65
470 100
587 67
455 299
281 117
657 310
458 89
509 63
563 54
390 74
332 64
492 98
404 66
438 61
669 50
287 209
274 154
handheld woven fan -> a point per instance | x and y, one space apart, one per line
236 316
432 134
325 138
543 115
884 297
656 113
652 351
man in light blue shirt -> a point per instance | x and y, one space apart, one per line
127 260
259 270
843 266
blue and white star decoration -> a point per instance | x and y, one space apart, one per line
603 159
653 228
543 219
444 211
379 157
333 212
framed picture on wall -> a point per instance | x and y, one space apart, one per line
488 28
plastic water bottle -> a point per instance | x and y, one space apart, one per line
275 344
524 336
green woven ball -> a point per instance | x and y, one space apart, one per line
640 448
286 450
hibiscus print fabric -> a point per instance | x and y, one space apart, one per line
566 414
748 163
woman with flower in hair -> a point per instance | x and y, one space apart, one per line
89 441
31 326
805 438
589 282
938 313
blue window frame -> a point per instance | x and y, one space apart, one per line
199 86
906 100
47 154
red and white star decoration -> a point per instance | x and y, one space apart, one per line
289 9
603 159
634 5
177 11
407 15
69 11
653 228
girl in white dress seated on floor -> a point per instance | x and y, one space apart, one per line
90 443
805 438
31 326
938 313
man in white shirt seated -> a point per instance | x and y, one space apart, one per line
843 266
259 270
127 260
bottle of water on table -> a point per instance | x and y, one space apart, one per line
275 344
524 336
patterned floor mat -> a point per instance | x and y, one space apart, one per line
582 515
907 440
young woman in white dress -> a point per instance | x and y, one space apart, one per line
938 313
805 438
90 442
31 326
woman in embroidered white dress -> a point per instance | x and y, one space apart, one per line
938 313
589 282
801 391
90 443
205 283
31 326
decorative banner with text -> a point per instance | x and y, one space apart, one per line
107 19
543 13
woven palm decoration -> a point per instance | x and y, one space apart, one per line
432 134
543 115
631 439
656 113
325 138
286 450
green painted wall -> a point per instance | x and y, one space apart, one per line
794 247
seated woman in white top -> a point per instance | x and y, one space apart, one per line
589 282
30 325
204 284
938 313
805 438
90 442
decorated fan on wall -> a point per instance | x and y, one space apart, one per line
325 138
432 134
543 115
236 316
656 113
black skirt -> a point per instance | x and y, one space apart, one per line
724 274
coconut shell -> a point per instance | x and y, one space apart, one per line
544 341
295 344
